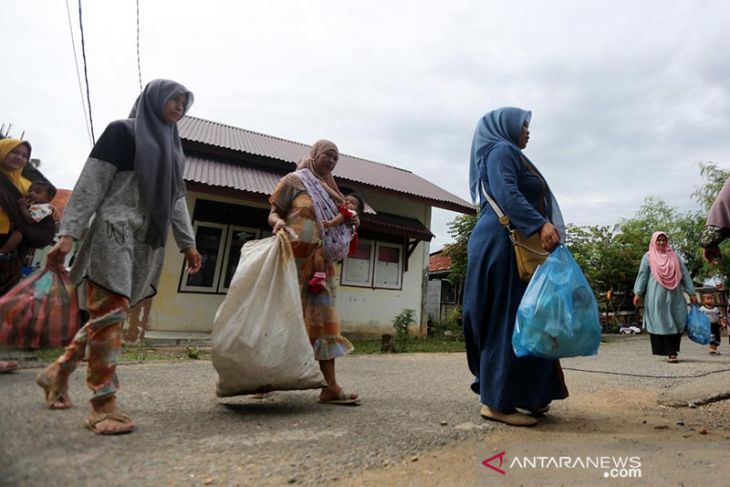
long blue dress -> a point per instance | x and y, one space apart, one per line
493 289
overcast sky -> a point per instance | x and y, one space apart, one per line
626 95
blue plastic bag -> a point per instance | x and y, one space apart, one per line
698 326
558 314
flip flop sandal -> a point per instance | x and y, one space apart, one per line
93 420
54 393
344 398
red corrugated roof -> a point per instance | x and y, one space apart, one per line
59 201
350 168
439 263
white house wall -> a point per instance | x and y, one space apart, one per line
370 312
184 311
363 311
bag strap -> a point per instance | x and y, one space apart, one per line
504 220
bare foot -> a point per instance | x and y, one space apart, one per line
55 385
336 395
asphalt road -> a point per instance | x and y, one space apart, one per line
412 404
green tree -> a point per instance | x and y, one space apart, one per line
460 229
684 230
714 179
608 259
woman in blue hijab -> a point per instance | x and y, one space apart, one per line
493 289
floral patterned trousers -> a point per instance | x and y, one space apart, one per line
99 340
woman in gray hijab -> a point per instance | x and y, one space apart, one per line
128 195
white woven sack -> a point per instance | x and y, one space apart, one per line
259 341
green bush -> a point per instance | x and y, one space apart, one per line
193 352
401 324
453 317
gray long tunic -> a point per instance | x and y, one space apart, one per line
114 253
665 311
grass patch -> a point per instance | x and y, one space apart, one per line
415 345
132 354
139 354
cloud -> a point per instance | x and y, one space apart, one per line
626 97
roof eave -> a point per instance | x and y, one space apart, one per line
203 149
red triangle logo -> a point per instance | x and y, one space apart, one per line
500 456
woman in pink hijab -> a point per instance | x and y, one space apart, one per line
662 281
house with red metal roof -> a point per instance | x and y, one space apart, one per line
230 174
442 295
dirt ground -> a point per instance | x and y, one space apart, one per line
628 421
690 444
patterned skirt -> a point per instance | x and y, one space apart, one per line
320 311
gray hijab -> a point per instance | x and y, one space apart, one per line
158 156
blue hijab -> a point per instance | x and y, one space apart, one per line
504 126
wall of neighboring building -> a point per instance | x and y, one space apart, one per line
370 312
184 311
363 311
433 300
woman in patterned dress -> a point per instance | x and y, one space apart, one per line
301 202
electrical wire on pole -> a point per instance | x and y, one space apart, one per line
139 65
86 75
78 74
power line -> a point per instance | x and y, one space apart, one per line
139 68
78 75
86 75
628 374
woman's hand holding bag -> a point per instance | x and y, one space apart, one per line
549 237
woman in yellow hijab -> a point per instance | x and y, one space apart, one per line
14 155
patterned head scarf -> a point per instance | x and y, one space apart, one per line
504 126
664 265
329 181
158 159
